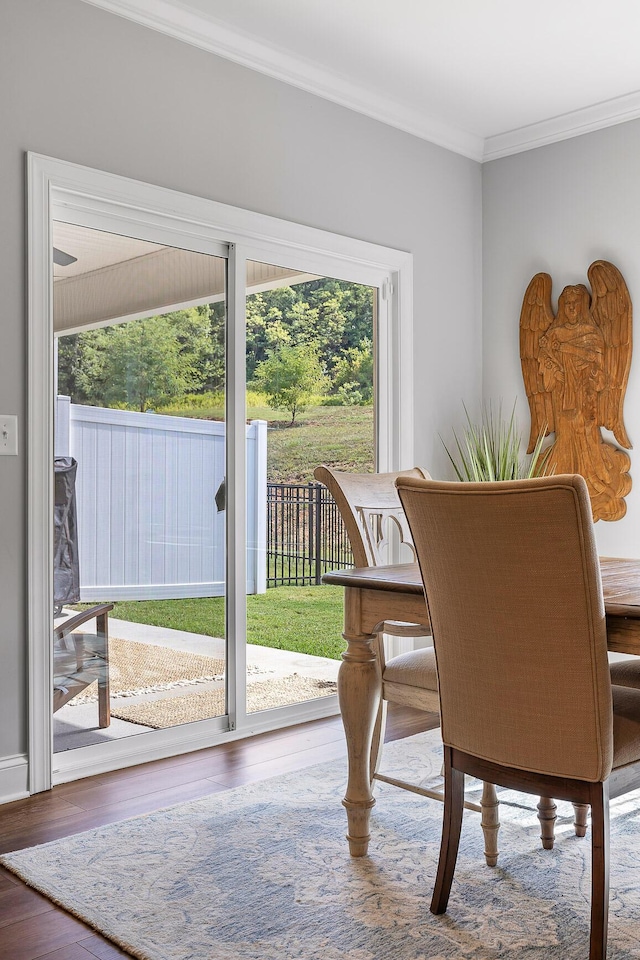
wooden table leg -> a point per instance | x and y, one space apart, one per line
490 822
359 692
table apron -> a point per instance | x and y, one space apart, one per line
365 610
623 634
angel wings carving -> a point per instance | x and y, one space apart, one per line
575 367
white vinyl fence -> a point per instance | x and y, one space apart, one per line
147 518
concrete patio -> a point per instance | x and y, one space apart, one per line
76 725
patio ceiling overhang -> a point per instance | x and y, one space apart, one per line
114 279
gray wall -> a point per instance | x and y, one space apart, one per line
86 86
557 209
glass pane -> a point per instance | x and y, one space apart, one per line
310 393
139 565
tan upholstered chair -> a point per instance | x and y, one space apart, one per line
513 588
626 673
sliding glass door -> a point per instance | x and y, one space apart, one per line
139 549
310 361
198 363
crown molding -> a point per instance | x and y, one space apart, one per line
176 20
568 125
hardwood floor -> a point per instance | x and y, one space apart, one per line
32 927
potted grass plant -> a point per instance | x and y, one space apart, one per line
490 450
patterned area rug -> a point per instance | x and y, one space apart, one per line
263 873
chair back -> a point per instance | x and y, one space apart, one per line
512 582
371 510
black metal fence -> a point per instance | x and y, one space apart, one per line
305 534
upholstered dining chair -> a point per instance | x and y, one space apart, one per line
513 589
372 514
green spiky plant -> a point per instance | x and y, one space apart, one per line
491 450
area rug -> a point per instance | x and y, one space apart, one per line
261 695
263 873
136 668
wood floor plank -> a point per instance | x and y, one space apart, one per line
93 797
241 775
33 938
150 778
43 807
108 813
21 902
181 793
71 952
7 880
102 949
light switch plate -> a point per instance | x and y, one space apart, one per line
8 435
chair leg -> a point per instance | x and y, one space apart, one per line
547 817
490 822
599 870
581 812
451 826
104 702
377 741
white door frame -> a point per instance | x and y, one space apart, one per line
61 190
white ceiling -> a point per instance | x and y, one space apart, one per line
485 78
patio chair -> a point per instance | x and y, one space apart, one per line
512 582
79 657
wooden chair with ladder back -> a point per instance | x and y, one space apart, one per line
373 515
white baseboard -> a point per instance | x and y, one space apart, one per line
14 778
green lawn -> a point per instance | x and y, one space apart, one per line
339 436
300 619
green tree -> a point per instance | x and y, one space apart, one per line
267 324
216 375
81 366
332 314
353 375
290 377
141 363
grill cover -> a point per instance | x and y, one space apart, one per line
66 569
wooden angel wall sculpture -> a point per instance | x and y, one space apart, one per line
575 367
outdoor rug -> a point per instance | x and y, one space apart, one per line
263 873
261 695
136 668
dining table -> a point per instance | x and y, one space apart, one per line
373 595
